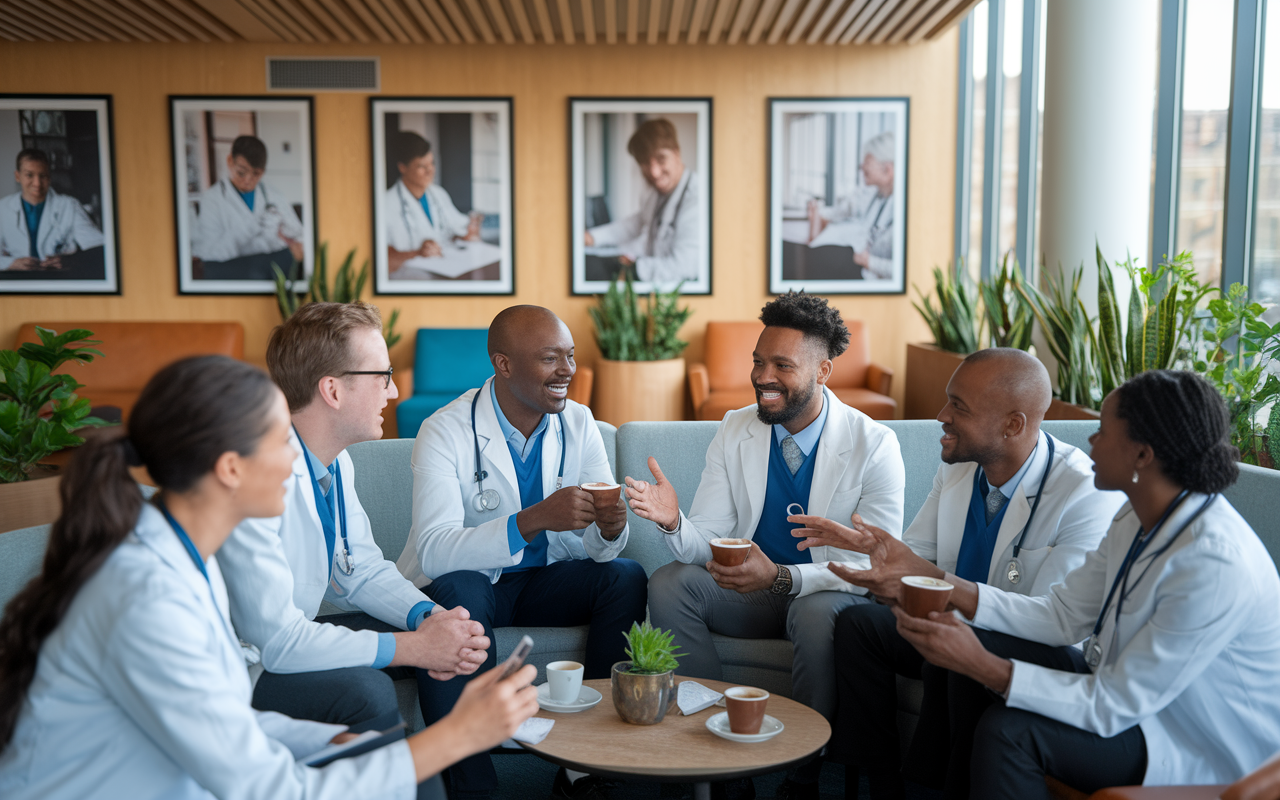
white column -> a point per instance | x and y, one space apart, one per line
1099 107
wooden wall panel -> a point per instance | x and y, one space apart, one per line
140 77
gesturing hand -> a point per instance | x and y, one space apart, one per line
946 642
447 643
755 574
891 559
654 501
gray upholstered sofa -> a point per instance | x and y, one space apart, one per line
384 483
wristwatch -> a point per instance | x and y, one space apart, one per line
782 583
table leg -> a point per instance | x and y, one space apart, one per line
702 791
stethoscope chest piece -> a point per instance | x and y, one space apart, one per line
1014 572
486 500
345 562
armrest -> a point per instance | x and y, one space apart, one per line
699 386
879 378
584 380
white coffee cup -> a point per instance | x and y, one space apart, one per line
565 680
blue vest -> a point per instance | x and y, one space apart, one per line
979 542
529 477
773 533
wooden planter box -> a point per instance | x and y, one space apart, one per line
628 391
1060 410
928 372
31 502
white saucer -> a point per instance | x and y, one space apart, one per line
719 725
587 698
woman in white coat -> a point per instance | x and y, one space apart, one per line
119 672
1176 682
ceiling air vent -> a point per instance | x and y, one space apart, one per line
322 74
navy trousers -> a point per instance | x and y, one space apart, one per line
607 596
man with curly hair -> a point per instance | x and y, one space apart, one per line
798 451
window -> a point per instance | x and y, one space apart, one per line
1264 280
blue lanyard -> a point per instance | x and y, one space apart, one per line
1135 552
325 511
186 542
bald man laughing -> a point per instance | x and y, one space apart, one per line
499 518
1010 507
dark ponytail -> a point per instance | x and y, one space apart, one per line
188 415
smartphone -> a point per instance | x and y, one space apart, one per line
517 657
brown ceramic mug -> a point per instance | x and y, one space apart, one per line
746 708
921 594
603 495
730 552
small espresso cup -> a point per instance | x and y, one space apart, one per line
565 679
603 495
746 708
920 595
730 552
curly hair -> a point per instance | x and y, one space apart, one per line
1183 419
811 316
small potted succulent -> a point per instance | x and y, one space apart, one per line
645 687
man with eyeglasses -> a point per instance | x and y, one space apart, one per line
331 362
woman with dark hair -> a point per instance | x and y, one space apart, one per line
1177 681
120 675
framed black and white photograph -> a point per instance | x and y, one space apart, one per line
442 208
641 193
244 192
58 232
838 195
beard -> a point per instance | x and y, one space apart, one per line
792 405
963 452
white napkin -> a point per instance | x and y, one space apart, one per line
693 697
532 731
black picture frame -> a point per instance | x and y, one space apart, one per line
583 279
243 273
829 267
458 122
66 138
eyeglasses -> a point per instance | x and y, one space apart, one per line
386 375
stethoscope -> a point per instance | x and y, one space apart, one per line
267 205
664 231
346 562
190 547
54 218
401 193
488 499
1013 571
1093 647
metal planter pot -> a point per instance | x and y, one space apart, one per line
642 699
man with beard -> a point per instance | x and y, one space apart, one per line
1011 507
798 449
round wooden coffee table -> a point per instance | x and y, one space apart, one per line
680 748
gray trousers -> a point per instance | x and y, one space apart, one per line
685 599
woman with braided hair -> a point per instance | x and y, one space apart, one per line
1178 608
120 674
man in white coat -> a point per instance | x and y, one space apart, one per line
502 527
863 220
331 362
38 225
420 214
663 238
240 216
798 449
1011 507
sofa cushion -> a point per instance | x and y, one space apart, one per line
21 555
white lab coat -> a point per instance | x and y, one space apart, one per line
225 228
862 220
278 572
666 249
1194 660
141 692
448 534
1072 519
407 224
858 469
64 228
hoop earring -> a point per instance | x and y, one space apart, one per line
1135 476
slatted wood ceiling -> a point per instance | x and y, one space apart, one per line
731 22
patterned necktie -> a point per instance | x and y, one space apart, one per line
792 454
995 502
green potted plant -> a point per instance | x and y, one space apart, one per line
645 687
955 324
348 285
640 375
1009 318
39 415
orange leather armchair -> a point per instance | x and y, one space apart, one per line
723 383
134 351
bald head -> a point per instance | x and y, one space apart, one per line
518 325
533 362
1015 381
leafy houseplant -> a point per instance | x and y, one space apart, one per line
1067 331
27 386
348 285
645 687
1008 316
955 324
